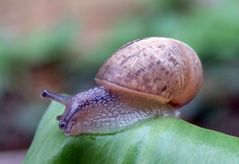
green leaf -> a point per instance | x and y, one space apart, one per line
157 140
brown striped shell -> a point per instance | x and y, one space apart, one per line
163 69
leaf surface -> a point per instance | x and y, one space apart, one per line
157 140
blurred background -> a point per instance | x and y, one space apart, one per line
60 45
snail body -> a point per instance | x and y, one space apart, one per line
145 78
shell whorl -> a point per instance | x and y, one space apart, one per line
163 69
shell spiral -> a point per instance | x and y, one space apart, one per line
163 69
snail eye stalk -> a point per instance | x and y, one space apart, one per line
55 97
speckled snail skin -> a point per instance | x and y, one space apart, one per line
145 78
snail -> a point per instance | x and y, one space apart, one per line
145 78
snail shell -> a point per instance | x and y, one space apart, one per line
163 69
